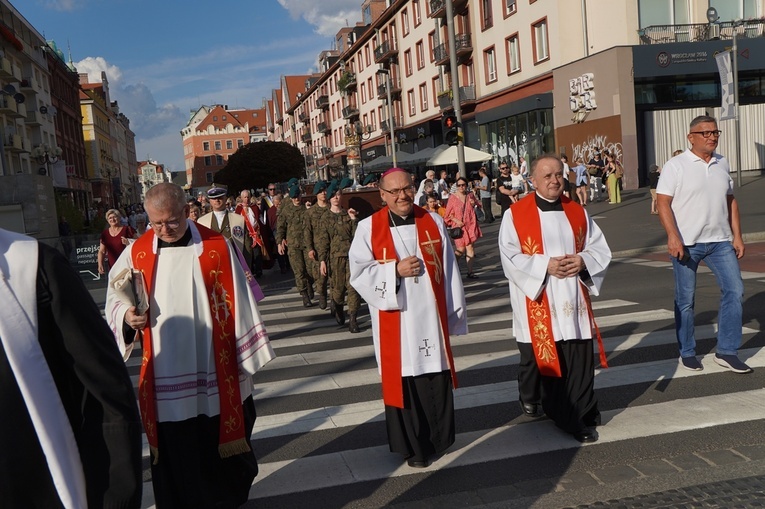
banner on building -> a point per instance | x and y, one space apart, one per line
727 111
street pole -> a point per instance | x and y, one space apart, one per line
388 84
735 106
455 87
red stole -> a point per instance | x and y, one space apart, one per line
529 228
219 283
384 250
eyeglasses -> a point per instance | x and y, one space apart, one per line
397 192
504 168
171 225
461 185
707 134
272 189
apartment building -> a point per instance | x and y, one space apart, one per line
212 135
150 173
536 76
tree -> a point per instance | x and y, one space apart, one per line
255 165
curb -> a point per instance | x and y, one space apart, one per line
628 253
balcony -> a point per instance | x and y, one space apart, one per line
385 51
26 86
322 102
663 34
395 89
350 112
464 48
271 129
347 82
307 137
33 118
10 108
438 7
467 98
13 143
385 125
303 117
6 68
279 121
322 128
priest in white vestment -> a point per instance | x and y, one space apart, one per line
555 257
402 264
202 330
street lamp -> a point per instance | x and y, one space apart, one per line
46 155
714 28
354 134
386 72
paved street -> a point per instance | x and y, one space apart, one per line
671 437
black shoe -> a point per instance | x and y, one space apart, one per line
332 307
322 301
530 409
586 435
306 301
352 325
310 292
417 463
339 314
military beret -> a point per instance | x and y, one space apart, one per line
295 192
320 186
333 188
346 182
369 179
292 181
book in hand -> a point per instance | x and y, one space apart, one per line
129 287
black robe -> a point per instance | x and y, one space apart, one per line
96 393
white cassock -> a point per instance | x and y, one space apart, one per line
421 339
181 331
528 274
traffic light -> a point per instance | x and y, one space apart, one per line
449 128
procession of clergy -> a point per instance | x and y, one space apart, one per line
202 337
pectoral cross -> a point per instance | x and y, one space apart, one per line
381 290
427 348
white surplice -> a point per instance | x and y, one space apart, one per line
528 274
186 382
422 343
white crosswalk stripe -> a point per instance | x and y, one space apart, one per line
319 362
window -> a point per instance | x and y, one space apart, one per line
374 120
408 62
436 87
209 177
431 44
486 18
229 144
412 104
205 145
510 7
417 12
420 54
539 37
217 145
423 97
670 12
405 22
490 62
239 143
513 54
363 93
219 160
366 54
208 161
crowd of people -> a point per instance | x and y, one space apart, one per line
76 434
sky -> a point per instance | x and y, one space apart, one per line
166 58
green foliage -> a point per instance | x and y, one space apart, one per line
73 215
256 164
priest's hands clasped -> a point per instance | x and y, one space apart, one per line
565 266
135 321
408 267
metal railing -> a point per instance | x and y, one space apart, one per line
663 34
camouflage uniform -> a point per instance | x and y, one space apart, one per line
315 218
333 244
291 225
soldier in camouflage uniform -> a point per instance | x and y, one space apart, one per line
290 226
333 244
315 217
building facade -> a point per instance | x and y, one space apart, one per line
532 77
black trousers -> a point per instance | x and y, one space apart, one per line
488 214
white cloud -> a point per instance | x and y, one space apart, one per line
328 16
64 5
93 66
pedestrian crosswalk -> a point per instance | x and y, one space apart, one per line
320 426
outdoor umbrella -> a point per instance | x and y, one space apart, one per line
446 154
402 159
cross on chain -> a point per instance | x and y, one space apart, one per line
381 290
427 348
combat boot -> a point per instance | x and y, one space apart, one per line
322 301
310 292
339 314
332 307
306 301
352 325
